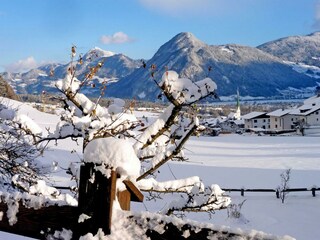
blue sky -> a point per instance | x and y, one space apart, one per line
33 32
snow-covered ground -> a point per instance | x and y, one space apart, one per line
232 161
235 161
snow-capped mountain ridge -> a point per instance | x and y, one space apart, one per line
97 52
256 72
298 49
43 78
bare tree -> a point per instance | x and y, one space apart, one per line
282 189
17 152
159 143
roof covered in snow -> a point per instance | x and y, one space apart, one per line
254 115
306 109
279 112
313 99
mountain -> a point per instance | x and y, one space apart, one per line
35 81
256 72
251 70
298 49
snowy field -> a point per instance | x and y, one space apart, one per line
232 161
235 161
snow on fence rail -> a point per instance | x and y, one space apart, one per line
242 190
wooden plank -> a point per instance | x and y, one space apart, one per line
86 189
136 195
96 195
38 223
124 198
105 194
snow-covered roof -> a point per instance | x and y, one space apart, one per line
306 109
279 112
253 115
313 99
238 122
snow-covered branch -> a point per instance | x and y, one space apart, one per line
211 199
184 92
164 139
168 151
180 185
88 119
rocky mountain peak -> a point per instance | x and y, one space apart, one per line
97 52
181 42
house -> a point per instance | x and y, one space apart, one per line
281 119
308 115
256 120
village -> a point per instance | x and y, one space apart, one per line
301 119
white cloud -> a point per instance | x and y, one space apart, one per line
22 65
117 38
178 7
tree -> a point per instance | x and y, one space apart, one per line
153 146
159 143
18 151
282 189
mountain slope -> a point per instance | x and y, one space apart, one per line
256 72
300 49
253 71
35 81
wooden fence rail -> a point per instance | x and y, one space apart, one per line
242 190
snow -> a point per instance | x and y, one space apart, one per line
311 71
116 107
115 154
154 127
232 161
226 49
312 100
42 188
279 112
83 217
183 185
7 114
100 53
27 123
306 109
142 95
64 234
250 161
184 90
253 115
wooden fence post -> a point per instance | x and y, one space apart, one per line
277 193
96 195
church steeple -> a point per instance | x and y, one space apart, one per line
237 115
